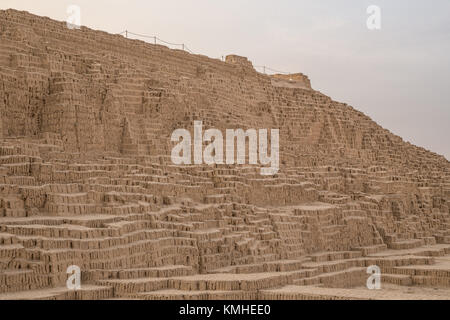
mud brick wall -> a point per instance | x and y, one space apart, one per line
86 177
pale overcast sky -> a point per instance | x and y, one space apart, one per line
398 75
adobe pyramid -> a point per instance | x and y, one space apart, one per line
86 179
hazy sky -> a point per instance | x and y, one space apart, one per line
399 75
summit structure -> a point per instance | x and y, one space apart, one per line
86 180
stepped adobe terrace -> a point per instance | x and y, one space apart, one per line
86 179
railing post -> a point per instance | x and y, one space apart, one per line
126 33
183 46
155 39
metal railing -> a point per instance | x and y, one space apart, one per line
184 47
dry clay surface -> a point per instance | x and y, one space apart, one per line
86 179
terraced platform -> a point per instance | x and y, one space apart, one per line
86 179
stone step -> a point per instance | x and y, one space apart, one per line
443 239
11 251
333 256
87 292
406 244
172 294
344 278
21 280
294 292
273 266
371 249
157 272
